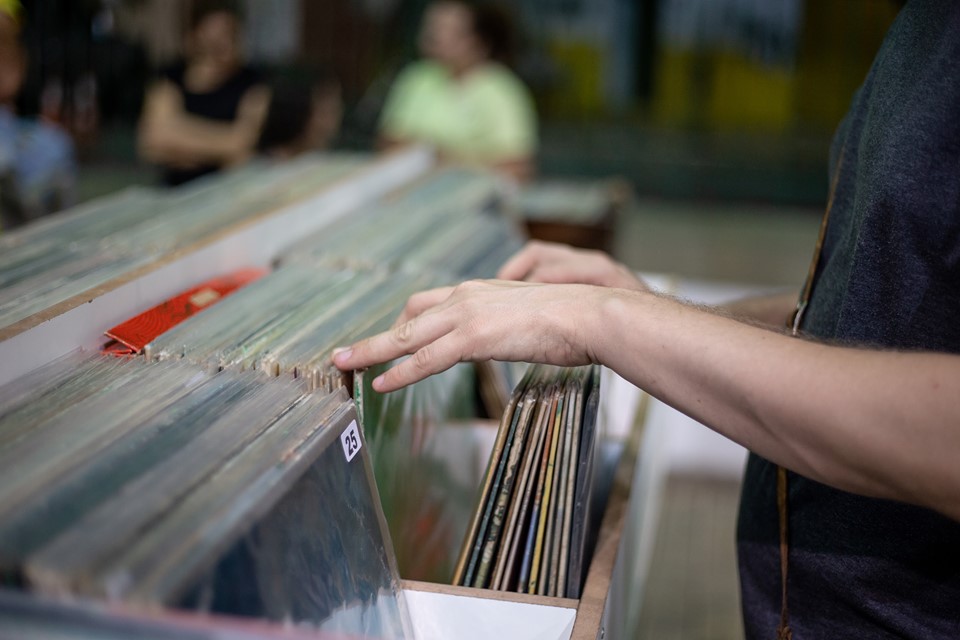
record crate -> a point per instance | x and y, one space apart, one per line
436 609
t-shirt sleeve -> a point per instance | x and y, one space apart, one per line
513 130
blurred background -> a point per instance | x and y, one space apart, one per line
718 114
724 100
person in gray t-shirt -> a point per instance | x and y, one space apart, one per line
859 539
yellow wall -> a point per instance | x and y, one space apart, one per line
722 90
837 46
580 90
725 89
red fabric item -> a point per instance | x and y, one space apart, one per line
137 332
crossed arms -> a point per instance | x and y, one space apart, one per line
169 135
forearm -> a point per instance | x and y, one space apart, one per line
185 139
773 310
877 423
169 135
883 424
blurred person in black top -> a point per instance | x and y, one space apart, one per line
205 113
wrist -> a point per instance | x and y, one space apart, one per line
610 321
622 313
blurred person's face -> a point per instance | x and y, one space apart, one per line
447 36
216 41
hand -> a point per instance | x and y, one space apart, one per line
549 262
483 320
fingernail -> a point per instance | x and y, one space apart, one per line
378 383
342 354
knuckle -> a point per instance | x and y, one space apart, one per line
403 333
467 286
423 358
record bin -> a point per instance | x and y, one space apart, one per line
462 446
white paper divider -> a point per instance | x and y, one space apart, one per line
441 616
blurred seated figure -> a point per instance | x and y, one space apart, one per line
302 116
204 114
461 98
37 167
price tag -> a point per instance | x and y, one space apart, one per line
350 439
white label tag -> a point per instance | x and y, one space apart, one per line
350 438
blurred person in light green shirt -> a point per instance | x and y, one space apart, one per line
461 98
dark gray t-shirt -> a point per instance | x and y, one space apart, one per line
889 277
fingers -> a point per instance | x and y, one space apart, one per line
401 340
525 260
420 302
479 320
551 273
588 267
517 267
428 360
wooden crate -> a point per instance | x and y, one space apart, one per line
592 229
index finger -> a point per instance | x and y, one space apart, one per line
401 340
